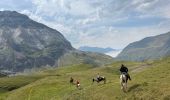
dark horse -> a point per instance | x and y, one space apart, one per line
99 79
71 80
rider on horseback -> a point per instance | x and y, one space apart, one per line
124 69
98 76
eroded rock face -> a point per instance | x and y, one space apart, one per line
25 43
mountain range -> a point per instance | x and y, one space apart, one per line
108 51
96 49
26 44
148 48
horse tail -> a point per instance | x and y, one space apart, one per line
93 80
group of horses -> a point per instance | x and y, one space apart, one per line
123 81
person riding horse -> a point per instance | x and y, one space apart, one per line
124 69
99 79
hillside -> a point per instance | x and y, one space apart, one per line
77 57
150 83
26 44
148 48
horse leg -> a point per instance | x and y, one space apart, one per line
121 85
78 86
126 86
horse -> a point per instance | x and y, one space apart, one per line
78 85
123 81
99 79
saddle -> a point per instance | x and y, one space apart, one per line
124 73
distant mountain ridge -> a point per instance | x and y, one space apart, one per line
96 49
148 48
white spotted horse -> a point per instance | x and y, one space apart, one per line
100 79
123 81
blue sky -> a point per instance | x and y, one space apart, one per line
101 23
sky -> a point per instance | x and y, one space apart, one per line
98 23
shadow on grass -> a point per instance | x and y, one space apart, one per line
6 89
133 87
166 97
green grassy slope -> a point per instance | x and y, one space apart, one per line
150 81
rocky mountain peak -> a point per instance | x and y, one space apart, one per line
25 43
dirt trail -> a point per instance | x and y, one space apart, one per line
141 67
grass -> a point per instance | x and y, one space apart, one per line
150 83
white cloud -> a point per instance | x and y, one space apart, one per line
154 8
81 8
111 23
118 37
113 53
2 9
